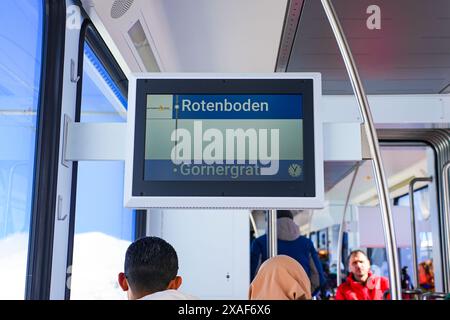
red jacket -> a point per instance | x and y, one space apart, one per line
372 290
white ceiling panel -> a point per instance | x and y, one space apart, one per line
197 35
409 54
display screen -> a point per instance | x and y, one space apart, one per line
224 137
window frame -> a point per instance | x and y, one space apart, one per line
90 35
41 234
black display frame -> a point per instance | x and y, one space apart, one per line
145 188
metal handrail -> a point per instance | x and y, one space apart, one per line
416 292
341 228
413 226
413 291
380 179
438 295
446 220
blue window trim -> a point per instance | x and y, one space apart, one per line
104 74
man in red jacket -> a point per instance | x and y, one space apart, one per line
361 284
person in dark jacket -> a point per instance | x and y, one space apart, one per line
406 279
292 244
361 283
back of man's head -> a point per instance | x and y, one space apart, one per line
284 214
150 264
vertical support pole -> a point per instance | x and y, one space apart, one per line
272 233
253 223
413 228
446 215
380 179
341 228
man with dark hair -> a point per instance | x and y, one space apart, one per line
151 267
292 244
361 283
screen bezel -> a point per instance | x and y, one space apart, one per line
258 189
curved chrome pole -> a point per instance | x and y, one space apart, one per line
446 195
436 295
253 223
380 179
413 227
341 228
271 233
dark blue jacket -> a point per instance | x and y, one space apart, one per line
299 249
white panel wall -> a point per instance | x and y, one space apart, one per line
213 249
371 234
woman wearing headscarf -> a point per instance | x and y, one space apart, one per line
280 278
292 244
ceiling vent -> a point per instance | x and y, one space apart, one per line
120 7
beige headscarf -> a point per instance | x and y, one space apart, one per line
280 278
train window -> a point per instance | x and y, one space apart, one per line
363 227
103 227
20 69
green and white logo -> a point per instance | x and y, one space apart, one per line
295 170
